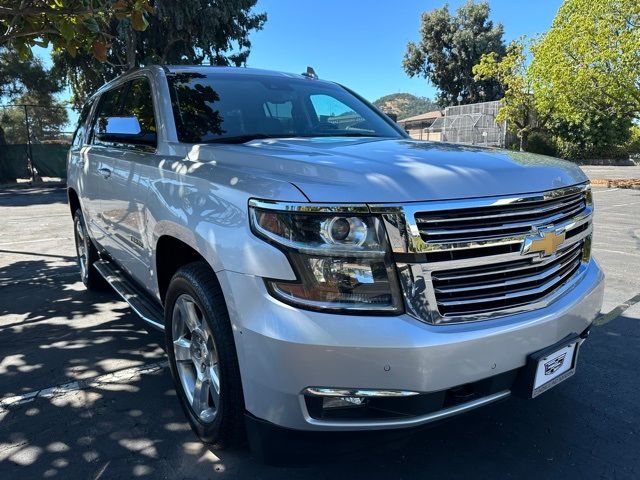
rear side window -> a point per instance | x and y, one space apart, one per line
79 136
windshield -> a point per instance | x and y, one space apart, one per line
236 108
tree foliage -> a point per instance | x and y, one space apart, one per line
27 81
185 32
405 105
511 71
46 117
450 46
596 135
70 25
19 75
589 61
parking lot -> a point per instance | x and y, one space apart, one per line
85 392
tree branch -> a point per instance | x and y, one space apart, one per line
6 37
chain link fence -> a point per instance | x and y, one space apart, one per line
473 124
34 141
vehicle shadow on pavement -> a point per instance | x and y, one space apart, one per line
53 331
19 197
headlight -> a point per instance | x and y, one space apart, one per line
341 260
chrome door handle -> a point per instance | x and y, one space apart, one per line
105 172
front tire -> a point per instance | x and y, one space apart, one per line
87 255
202 355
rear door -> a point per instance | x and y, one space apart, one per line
83 175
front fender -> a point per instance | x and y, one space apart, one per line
213 221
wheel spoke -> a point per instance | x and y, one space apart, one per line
201 396
182 349
196 358
188 314
214 384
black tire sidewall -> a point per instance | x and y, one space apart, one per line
92 279
186 280
79 219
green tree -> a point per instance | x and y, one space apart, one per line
449 48
588 62
185 32
511 71
19 75
27 81
46 117
595 135
71 25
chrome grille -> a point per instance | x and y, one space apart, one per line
464 260
498 227
477 290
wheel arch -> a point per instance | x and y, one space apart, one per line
74 200
171 253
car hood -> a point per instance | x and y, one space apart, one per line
395 171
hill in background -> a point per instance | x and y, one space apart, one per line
405 105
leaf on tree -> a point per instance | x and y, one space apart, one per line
138 21
99 50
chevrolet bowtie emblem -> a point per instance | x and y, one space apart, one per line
545 241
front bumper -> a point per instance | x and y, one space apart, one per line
283 350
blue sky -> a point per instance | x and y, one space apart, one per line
361 43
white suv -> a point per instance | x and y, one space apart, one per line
314 268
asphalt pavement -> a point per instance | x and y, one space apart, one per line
85 391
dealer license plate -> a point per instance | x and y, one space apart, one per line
555 367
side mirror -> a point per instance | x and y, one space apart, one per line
123 130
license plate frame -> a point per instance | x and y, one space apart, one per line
553 361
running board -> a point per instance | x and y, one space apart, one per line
139 301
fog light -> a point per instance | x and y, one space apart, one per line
342 402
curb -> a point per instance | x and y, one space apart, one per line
627 183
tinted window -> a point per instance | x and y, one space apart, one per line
133 99
81 131
109 106
220 106
139 103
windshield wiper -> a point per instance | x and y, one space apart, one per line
350 134
261 136
245 138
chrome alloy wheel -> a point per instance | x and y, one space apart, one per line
196 358
82 249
